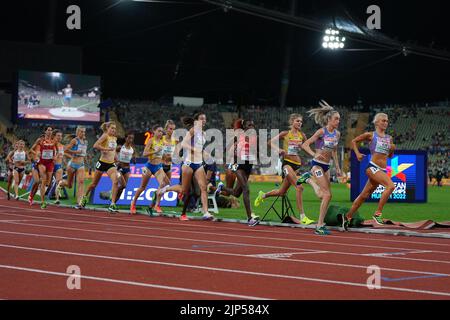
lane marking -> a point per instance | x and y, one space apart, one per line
135 283
210 252
413 278
231 235
211 268
281 255
214 241
403 253
301 232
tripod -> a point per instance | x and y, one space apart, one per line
286 208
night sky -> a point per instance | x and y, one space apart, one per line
137 48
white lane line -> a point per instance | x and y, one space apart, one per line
281 254
213 252
300 232
233 235
237 244
217 269
135 283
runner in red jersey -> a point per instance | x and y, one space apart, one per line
46 151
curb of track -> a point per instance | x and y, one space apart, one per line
396 232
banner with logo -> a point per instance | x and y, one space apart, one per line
103 190
407 169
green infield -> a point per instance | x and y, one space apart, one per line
436 209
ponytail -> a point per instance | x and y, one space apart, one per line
323 114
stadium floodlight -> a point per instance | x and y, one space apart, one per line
55 74
332 41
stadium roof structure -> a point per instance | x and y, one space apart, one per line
236 50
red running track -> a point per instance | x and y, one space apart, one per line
138 257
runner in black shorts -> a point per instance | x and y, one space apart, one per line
247 155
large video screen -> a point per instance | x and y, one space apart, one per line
407 169
58 96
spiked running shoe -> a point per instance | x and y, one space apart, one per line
43 205
84 201
133 208
259 199
184 217
158 209
306 221
378 218
303 178
252 222
113 208
345 222
322 231
30 200
208 216
254 216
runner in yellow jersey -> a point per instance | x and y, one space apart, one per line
154 166
291 162
169 144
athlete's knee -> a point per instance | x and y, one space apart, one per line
326 195
390 187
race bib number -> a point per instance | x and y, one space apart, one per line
47 154
19 157
83 150
318 173
293 148
168 150
248 157
125 157
374 170
234 167
382 146
112 144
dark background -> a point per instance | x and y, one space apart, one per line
142 51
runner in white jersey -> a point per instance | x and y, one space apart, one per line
19 158
125 154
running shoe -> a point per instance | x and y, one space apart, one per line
84 201
57 202
43 205
208 216
219 188
113 208
252 222
30 200
259 199
303 178
158 209
322 231
151 212
78 207
9 196
306 221
184 217
254 216
377 217
133 208
345 222
17 197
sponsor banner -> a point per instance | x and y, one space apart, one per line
407 169
103 189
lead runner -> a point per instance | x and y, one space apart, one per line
381 147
